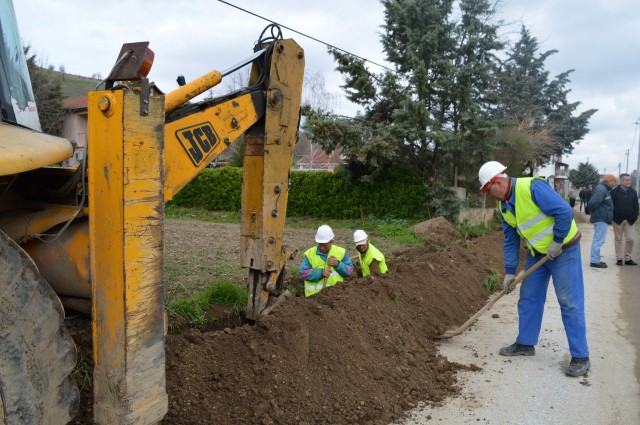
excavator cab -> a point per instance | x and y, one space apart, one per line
16 96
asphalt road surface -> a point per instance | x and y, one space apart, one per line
535 390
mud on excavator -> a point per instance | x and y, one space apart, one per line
90 238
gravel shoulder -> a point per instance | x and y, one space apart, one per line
535 390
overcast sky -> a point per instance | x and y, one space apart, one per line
596 38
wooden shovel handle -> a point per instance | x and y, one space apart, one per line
522 276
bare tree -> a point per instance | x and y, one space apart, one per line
315 94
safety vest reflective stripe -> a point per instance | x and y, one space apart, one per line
533 241
531 222
309 286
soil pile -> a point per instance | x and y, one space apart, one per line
359 352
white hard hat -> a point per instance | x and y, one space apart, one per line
488 172
360 237
324 234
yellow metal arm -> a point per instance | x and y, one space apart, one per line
193 142
191 90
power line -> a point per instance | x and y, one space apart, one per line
308 36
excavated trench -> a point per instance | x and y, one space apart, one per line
359 352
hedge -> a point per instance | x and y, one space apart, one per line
323 194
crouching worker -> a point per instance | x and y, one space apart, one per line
324 264
371 259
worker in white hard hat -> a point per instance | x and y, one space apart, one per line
536 214
324 264
371 260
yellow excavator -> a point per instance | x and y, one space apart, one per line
90 238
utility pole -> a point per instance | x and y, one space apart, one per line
619 168
638 166
626 154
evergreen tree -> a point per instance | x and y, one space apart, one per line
431 112
47 90
535 108
586 174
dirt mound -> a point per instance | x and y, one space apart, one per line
437 231
359 352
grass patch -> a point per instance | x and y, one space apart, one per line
493 282
467 231
193 309
82 371
201 214
398 230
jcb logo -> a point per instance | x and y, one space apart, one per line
198 140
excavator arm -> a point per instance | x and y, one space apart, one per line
140 156
268 116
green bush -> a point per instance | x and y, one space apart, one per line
396 194
216 189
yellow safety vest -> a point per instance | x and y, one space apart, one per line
317 262
534 226
372 254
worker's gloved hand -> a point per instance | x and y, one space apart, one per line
508 278
554 250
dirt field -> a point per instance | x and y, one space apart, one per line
359 352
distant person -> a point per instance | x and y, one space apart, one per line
573 192
582 195
601 209
371 259
324 264
536 214
587 196
625 214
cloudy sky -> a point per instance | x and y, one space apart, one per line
596 38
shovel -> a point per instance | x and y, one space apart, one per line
522 276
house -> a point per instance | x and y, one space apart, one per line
310 157
560 179
75 128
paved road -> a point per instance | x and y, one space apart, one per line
535 390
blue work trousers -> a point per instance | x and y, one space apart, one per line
599 235
566 271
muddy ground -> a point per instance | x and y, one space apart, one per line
361 352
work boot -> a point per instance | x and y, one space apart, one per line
631 263
516 349
578 366
619 263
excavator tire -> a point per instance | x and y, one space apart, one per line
37 353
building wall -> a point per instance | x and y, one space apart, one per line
75 128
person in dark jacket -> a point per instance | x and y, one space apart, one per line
625 214
601 209
587 195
